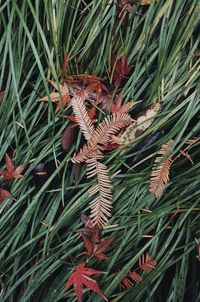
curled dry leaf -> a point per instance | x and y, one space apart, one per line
81 277
140 124
88 226
68 137
12 171
62 98
4 194
161 168
92 87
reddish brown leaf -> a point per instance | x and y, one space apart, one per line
135 276
89 227
62 97
81 277
12 171
97 87
4 194
118 107
72 118
96 247
68 137
121 69
90 86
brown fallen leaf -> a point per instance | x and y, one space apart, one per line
96 246
68 137
12 171
4 194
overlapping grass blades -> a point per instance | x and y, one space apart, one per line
162 45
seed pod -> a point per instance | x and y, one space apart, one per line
143 121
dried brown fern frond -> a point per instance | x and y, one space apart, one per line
147 263
192 141
82 117
130 279
101 206
160 172
102 135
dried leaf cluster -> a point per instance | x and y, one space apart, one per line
92 153
96 247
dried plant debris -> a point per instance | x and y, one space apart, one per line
143 121
102 136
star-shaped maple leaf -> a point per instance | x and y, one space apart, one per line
12 171
81 277
62 97
92 87
96 246
118 107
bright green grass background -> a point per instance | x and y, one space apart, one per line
163 46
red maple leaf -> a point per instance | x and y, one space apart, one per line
4 194
95 85
12 171
96 246
91 113
121 69
81 277
90 86
118 107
